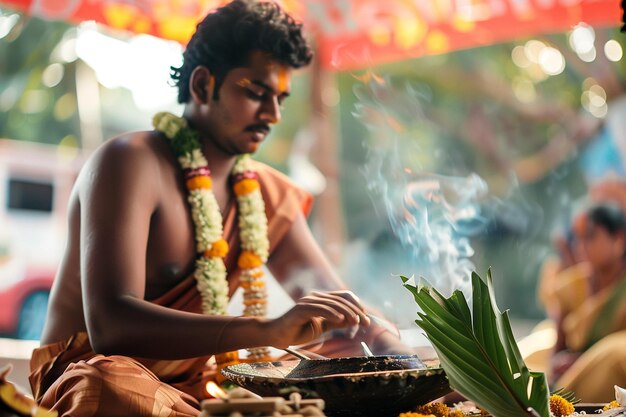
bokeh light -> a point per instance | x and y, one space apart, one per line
7 23
613 50
34 101
593 99
518 55
588 56
533 49
582 39
551 61
52 75
524 90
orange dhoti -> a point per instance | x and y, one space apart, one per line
116 386
71 378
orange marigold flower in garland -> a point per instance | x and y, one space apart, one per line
560 407
411 414
218 249
248 260
456 413
248 285
436 409
246 186
201 181
254 301
610 405
256 274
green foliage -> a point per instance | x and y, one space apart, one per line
29 110
185 141
478 351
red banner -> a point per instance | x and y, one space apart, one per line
361 33
355 33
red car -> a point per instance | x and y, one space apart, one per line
24 304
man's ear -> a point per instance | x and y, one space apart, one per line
201 84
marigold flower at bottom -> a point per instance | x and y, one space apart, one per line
612 404
412 414
436 409
560 407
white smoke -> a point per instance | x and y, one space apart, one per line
430 213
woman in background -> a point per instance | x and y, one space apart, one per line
590 309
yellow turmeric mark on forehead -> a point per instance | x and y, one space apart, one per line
244 82
283 78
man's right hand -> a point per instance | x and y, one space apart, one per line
315 314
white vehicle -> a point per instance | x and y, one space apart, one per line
35 184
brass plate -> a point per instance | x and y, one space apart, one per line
352 387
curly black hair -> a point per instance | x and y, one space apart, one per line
226 36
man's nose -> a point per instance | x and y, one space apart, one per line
270 112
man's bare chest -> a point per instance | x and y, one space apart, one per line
171 251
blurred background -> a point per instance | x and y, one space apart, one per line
439 137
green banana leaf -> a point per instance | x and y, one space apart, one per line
478 352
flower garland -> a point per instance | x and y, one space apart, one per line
210 272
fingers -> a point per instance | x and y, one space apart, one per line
308 321
308 307
347 302
351 316
317 327
317 313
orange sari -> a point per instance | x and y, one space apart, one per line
68 376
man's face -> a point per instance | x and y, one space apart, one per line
248 105
601 248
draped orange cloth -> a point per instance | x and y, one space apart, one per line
71 378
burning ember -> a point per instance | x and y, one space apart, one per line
215 391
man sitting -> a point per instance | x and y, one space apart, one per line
165 225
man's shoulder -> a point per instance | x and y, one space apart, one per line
128 158
281 194
272 176
133 148
139 142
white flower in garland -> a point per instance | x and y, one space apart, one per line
168 123
211 283
193 160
